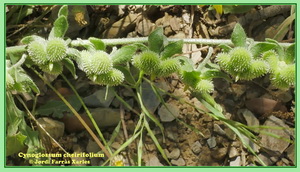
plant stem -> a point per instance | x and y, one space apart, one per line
88 113
122 41
89 130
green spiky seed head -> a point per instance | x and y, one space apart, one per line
223 60
84 63
240 59
288 74
54 68
147 61
56 49
272 58
101 62
278 81
258 68
37 52
204 86
112 78
94 63
168 67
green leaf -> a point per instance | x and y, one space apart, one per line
56 107
171 49
128 76
238 36
156 40
277 48
73 53
213 73
226 48
186 63
261 47
15 143
63 11
60 27
14 116
98 43
123 55
32 139
290 54
234 9
284 27
28 39
70 66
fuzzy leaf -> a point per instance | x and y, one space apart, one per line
186 63
98 43
238 36
28 39
56 107
128 76
214 73
15 143
60 27
278 48
63 11
70 66
226 48
124 54
156 40
171 49
261 47
290 54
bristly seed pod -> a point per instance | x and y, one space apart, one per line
112 78
288 74
240 59
37 52
168 67
147 61
204 86
97 62
56 49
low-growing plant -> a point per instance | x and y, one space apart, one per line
131 64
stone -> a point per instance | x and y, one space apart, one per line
274 145
211 142
149 98
54 128
236 162
238 89
230 134
168 112
151 160
265 158
219 130
104 117
92 146
174 154
115 145
250 118
196 147
260 106
97 99
145 27
233 152
254 146
291 153
206 133
219 153
178 162
121 27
